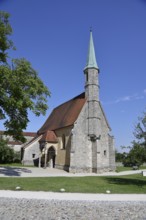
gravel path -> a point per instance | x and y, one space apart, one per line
22 205
30 209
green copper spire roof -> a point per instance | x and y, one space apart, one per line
91 59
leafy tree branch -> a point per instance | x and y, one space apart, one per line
21 89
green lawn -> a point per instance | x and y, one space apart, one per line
116 184
121 168
14 165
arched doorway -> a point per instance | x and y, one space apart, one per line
51 157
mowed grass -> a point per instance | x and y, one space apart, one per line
89 184
122 168
14 165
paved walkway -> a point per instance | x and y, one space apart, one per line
72 196
48 172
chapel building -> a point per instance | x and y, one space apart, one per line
76 136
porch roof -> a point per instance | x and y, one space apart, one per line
49 136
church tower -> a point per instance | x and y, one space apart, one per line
91 72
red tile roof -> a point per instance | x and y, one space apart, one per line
26 133
49 136
64 115
30 134
14 143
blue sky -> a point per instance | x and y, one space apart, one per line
54 35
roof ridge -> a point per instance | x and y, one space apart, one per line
80 95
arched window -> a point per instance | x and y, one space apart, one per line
86 77
63 141
105 153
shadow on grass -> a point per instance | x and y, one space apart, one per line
126 181
13 171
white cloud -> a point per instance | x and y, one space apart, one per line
140 97
144 91
123 99
127 98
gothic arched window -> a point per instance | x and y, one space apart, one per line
63 141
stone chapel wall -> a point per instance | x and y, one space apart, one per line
80 154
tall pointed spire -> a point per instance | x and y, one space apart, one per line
91 59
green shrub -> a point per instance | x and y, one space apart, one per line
6 153
17 157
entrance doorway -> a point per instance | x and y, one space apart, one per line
51 157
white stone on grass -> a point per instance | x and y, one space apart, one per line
62 190
18 188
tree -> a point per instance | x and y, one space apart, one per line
20 87
120 156
140 129
136 156
6 153
5 32
137 153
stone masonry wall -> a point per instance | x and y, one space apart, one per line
84 151
63 154
80 154
32 153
